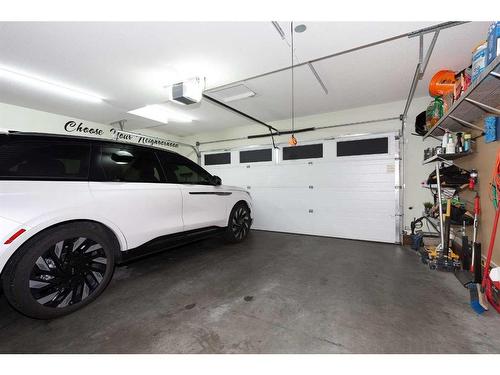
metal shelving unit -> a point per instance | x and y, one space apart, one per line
479 99
438 160
442 157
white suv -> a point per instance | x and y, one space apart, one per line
71 208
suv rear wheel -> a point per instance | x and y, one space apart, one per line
60 270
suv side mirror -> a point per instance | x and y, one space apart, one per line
216 180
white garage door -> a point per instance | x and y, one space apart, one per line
339 188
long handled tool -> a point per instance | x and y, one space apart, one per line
476 247
486 280
466 251
488 285
447 227
477 299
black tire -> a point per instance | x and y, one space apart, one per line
60 270
239 223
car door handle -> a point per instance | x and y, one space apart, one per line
210 193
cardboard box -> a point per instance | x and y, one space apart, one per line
493 47
490 128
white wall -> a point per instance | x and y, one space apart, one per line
415 172
26 119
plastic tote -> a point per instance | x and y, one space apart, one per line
478 60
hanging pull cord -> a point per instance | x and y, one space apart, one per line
293 140
293 83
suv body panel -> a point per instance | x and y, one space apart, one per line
137 213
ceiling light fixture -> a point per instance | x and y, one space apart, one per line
234 93
42 84
241 96
300 28
176 116
160 113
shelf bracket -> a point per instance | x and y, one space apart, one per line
484 107
420 69
421 49
450 163
436 138
119 123
427 57
465 123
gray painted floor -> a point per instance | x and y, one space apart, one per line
274 293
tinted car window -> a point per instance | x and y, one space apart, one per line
181 170
125 163
43 159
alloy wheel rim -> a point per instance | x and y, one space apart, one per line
68 272
240 223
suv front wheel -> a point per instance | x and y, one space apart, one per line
239 223
60 270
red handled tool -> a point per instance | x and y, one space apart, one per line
492 288
487 282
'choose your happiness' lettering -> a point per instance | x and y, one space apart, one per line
72 126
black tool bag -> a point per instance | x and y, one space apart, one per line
420 124
459 216
450 176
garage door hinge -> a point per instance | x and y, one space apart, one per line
311 210
311 187
398 158
398 187
248 166
310 163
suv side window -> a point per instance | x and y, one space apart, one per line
124 163
181 170
43 159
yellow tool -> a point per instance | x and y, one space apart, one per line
442 256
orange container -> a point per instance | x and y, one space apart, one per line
442 83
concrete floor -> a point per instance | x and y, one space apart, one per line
274 293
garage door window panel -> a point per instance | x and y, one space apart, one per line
358 147
218 159
303 152
256 156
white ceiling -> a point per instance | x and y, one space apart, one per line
129 64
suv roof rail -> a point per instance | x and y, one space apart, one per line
95 139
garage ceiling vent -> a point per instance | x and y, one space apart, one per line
233 93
